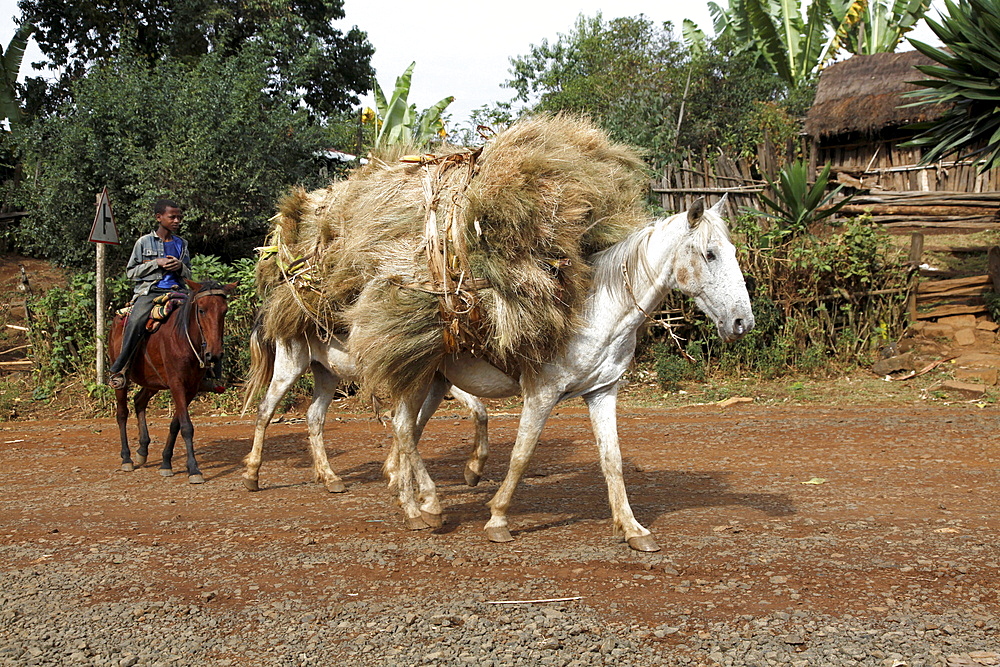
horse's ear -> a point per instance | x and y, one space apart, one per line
719 205
230 289
696 212
192 285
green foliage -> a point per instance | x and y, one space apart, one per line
798 204
10 66
672 369
965 79
796 42
993 305
637 80
62 333
874 26
399 122
307 56
206 136
817 302
784 42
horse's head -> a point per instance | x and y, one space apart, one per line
705 268
207 314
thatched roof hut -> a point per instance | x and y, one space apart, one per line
866 95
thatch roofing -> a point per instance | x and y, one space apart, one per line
864 94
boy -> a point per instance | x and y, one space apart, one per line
159 263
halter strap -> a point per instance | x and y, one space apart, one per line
197 319
666 325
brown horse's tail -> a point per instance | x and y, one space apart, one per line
261 365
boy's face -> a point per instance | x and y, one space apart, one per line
170 219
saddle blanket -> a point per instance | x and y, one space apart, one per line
163 305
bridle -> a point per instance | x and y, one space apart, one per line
197 318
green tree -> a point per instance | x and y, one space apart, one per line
965 78
307 54
640 83
205 135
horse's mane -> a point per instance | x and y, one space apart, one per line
631 251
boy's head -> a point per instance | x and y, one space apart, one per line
168 215
162 205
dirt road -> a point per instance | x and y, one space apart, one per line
795 535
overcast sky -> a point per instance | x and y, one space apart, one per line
463 47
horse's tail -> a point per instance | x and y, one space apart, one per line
262 352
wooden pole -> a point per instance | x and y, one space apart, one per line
916 252
99 316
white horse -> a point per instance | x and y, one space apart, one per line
690 252
279 364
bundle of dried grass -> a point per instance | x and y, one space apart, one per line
481 251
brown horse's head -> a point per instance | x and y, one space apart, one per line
206 315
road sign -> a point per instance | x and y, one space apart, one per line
104 230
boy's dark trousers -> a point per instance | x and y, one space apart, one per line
135 327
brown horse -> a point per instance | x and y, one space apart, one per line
174 357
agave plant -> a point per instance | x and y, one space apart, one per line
797 205
399 122
965 78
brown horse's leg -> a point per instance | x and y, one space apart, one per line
121 416
181 400
168 448
141 401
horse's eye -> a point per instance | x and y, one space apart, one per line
201 311
710 256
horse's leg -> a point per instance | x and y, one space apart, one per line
181 401
324 386
168 447
476 462
438 388
536 410
141 401
291 359
121 416
603 404
420 504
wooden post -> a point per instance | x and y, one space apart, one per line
993 261
916 252
99 320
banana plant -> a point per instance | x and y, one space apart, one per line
796 45
10 66
875 26
399 122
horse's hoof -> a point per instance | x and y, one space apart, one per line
415 523
166 472
432 520
251 484
127 467
500 534
196 479
471 477
643 543
140 460
336 486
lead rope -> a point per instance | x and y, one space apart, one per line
666 325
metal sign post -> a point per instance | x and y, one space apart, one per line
102 232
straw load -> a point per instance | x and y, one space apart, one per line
480 251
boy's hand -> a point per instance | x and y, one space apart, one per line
169 263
